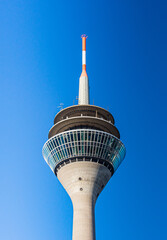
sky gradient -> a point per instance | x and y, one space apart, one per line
40 58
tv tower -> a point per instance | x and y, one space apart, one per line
84 150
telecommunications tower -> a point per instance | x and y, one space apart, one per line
83 150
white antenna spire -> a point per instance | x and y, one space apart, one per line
83 80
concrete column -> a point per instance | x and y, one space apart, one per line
83 90
83 181
83 217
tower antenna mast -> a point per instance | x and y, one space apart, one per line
83 80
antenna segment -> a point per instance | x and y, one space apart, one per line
83 80
84 37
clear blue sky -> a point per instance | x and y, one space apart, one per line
40 64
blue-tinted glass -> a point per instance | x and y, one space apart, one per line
71 135
68 138
102 138
86 136
78 136
62 139
82 136
65 138
75 136
89 136
83 142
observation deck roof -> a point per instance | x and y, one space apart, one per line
85 110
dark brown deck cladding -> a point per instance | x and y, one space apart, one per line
84 110
86 122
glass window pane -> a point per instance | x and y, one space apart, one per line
75 136
78 136
71 135
82 136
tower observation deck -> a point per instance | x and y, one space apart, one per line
84 150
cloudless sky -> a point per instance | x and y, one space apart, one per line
40 65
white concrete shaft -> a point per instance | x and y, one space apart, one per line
83 90
83 217
83 182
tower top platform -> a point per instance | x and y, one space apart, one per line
85 110
84 116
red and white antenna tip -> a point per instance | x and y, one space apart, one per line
83 80
84 37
